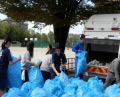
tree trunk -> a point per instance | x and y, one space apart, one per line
60 35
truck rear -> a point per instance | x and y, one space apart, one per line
102 43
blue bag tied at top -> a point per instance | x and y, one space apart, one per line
27 87
53 87
35 77
82 64
14 74
64 78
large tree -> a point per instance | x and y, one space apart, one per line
61 13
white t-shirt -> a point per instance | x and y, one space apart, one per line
46 62
26 58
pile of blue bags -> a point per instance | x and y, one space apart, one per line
58 87
62 87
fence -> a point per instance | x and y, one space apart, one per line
43 44
70 65
16 43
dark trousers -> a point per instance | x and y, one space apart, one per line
3 83
80 76
46 75
26 77
53 74
76 61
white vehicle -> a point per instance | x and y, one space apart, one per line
102 42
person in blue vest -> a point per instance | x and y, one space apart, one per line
78 47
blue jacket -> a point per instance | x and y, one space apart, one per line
78 46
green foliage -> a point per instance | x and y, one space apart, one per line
14 31
51 36
36 35
72 39
18 34
44 37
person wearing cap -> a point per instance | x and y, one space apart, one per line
58 59
5 60
78 47
26 62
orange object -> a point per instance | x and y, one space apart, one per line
99 70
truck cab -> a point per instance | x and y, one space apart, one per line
102 33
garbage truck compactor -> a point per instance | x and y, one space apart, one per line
102 43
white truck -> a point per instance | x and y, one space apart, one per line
102 42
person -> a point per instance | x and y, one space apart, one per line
113 73
5 60
26 62
58 59
49 49
46 65
78 47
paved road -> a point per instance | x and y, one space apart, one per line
39 53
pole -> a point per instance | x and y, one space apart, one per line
40 38
34 27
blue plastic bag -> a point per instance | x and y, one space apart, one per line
113 90
93 94
15 92
27 87
71 79
64 78
70 89
58 81
95 84
67 95
82 64
37 92
14 74
82 91
35 77
53 88
78 82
